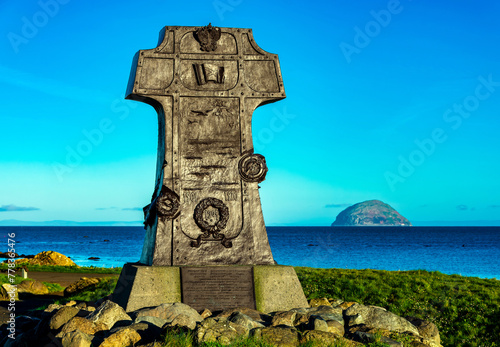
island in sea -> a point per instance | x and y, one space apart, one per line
370 213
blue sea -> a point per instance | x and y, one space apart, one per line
467 251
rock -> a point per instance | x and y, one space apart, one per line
369 338
319 302
346 304
78 286
32 287
371 212
318 323
335 302
147 331
73 303
82 324
335 327
426 329
254 314
322 338
170 311
377 318
8 292
62 317
157 321
76 339
124 338
47 258
244 320
53 307
325 312
183 320
93 258
109 313
206 313
282 336
217 330
284 318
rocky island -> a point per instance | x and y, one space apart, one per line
370 213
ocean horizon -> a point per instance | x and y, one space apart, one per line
466 251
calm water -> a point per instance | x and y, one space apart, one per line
469 251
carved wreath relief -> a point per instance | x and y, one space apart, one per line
167 204
211 216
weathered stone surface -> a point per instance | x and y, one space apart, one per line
318 323
369 337
254 314
218 330
76 339
170 311
62 316
245 321
377 318
83 283
157 321
426 329
279 335
32 287
82 324
8 291
284 318
182 320
277 288
325 312
47 258
142 286
124 338
206 313
335 327
109 313
146 330
53 307
319 302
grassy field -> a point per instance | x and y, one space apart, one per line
55 268
465 309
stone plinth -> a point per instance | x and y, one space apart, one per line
265 288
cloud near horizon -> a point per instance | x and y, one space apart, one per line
14 208
132 209
462 207
337 205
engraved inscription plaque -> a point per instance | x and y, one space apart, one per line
217 288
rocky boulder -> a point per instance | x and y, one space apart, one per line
47 258
374 317
32 287
83 283
109 313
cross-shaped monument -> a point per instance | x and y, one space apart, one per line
204 225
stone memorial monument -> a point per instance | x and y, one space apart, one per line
206 243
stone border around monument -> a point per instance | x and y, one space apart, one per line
275 287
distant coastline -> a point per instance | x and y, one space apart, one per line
62 223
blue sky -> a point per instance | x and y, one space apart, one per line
391 100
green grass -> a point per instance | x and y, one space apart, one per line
56 268
466 310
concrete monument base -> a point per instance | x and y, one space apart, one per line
266 288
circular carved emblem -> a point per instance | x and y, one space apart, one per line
167 204
211 215
253 168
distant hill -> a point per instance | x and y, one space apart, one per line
370 213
